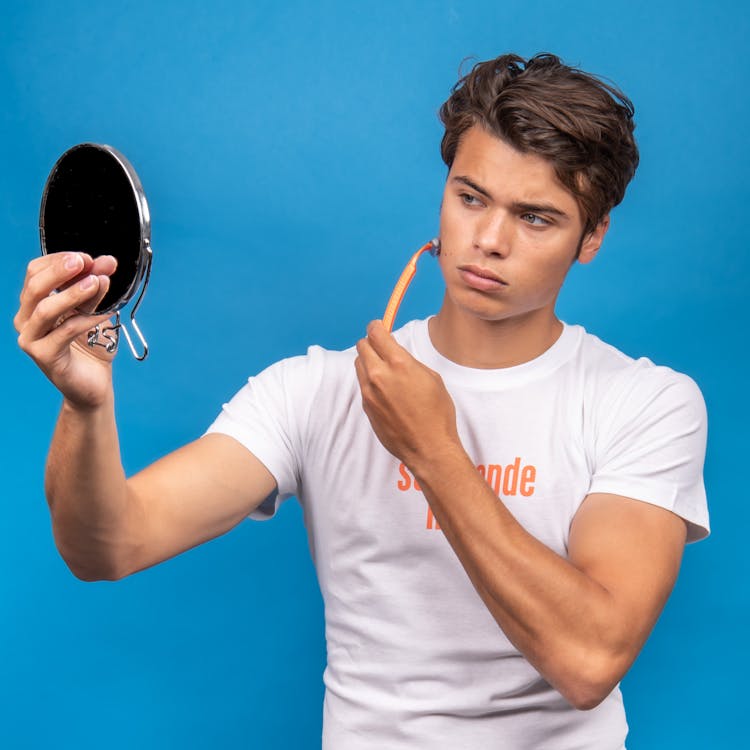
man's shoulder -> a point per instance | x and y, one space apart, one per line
319 355
308 376
615 375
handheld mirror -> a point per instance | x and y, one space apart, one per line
93 202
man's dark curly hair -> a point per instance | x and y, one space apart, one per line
580 124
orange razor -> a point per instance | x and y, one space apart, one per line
433 248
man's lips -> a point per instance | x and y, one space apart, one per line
481 278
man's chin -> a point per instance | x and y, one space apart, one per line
482 309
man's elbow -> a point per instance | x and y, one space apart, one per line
89 570
585 697
90 574
587 688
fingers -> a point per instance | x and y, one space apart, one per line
380 348
359 368
57 271
373 372
99 266
68 331
54 325
41 262
383 344
102 266
46 274
366 367
49 310
382 341
368 363
91 305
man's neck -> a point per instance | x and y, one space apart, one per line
492 344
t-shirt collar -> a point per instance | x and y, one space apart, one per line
548 361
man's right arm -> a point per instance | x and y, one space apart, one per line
107 526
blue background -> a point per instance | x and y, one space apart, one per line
290 154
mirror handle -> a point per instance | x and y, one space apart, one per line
109 337
136 328
144 354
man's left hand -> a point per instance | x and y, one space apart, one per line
407 403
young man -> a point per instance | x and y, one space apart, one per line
497 502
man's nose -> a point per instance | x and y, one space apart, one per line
494 233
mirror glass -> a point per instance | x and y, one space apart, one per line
93 202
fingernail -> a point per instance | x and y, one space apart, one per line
72 261
87 283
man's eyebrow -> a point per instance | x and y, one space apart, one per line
540 208
473 185
534 208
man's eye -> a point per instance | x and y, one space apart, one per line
470 200
535 220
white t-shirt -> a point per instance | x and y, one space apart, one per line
415 659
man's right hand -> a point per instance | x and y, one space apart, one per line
52 329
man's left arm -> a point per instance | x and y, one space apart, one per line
579 621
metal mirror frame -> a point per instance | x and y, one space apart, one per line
108 336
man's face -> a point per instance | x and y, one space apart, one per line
509 231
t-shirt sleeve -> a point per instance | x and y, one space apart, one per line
268 415
651 444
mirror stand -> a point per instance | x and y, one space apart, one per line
109 335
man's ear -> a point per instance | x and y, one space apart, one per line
593 241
